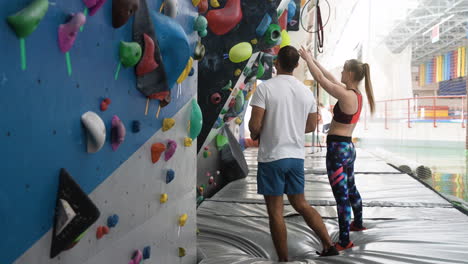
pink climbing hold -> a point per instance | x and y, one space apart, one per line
211 180
232 102
170 150
137 257
221 21
67 32
94 5
117 133
147 63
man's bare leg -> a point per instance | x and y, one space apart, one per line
312 218
277 226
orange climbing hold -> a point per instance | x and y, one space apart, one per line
147 63
99 232
156 150
221 21
203 6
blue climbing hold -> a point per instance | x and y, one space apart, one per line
136 126
263 26
147 252
192 71
112 220
291 10
173 45
170 176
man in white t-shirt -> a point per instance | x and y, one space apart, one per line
283 110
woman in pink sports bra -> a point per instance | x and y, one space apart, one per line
341 153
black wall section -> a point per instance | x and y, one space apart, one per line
216 70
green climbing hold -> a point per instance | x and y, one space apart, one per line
27 19
247 71
273 34
200 23
203 33
239 102
224 111
130 53
196 120
260 70
221 141
227 86
240 52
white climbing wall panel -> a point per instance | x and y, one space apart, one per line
132 192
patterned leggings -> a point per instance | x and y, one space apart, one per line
341 155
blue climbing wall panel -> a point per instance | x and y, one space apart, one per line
40 109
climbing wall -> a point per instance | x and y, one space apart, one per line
45 92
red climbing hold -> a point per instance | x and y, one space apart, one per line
104 106
203 7
108 101
156 150
147 63
99 232
221 21
232 102
105 230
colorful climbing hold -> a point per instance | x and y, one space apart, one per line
206 148
273 35
195 2
232 103
291 10
181 252
260 70
223 111
203 6
196 120
170 150
94 5
221 141
218 172
183 219
221 21
156 150
168 123
240 52
147 63
25 21
215 98
247 71
199 51
170 174
237 72
227 86
263 26
208 174
117 132
67 32
135 126
130 53
99 233
122 10
187 142
105 104
186 71
96 131
170 8
200 198
239 102
214 3
238 121
254 41
163 198
285 39
147 252
112 220
206 154
211 180
200 23
137 257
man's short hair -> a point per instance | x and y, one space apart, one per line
288 58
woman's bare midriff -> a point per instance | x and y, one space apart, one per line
339 129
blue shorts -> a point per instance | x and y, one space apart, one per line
284 176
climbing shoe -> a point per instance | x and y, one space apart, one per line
353 227
332 251
340 247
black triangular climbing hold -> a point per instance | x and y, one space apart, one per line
85 214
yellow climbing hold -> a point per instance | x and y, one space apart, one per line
285 39
237 72
195 2
238 120
240 52
188 142
183 219
249 94
198 231
186 71
254 41
181 252
163 198
168 123
214 3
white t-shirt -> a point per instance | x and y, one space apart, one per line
287 103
